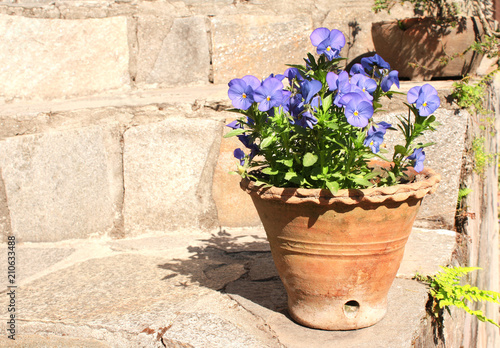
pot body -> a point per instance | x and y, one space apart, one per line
337 256
424 43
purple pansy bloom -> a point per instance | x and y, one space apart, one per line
306 120
382 127
375 136
339 83
425 99
293 73
332 81
328 42
309 89
418 156
241 94
247 140
391 79
357 69
294 106
367 85
234 125
374 139
239 154
358 110
375 62
269 94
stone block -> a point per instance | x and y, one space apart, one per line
173 53
438 245
168 168
56 58
258 44
5 228
57 184
32 260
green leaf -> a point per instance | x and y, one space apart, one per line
286 162
400 149
300 67
327 102
266 142
290 175
262 183
234 132
362 181
377 105
332 125
309 159
270 171
425 145
333 186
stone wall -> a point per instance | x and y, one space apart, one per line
107 108
477 218
56 50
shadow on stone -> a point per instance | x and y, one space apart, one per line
229 265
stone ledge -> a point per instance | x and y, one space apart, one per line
196 95
190 289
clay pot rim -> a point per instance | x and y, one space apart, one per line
396 193
418 19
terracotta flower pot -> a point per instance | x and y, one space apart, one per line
424 42
337 256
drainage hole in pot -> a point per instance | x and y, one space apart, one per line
351 308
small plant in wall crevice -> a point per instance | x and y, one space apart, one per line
446 291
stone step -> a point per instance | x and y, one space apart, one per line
191 289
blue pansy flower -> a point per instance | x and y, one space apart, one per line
239 154
293 105
366 84
374 139
358 109
357 69
390 79
418 156
269 94
291 74
328 42
425 98
309 89
375 136
241 94
339 83
241 91
374 64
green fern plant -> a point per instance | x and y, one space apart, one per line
446 291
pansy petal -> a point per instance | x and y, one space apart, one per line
331 79
337 39
428 106
319 35
428 89
252 81
357 69
310 88
412 94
